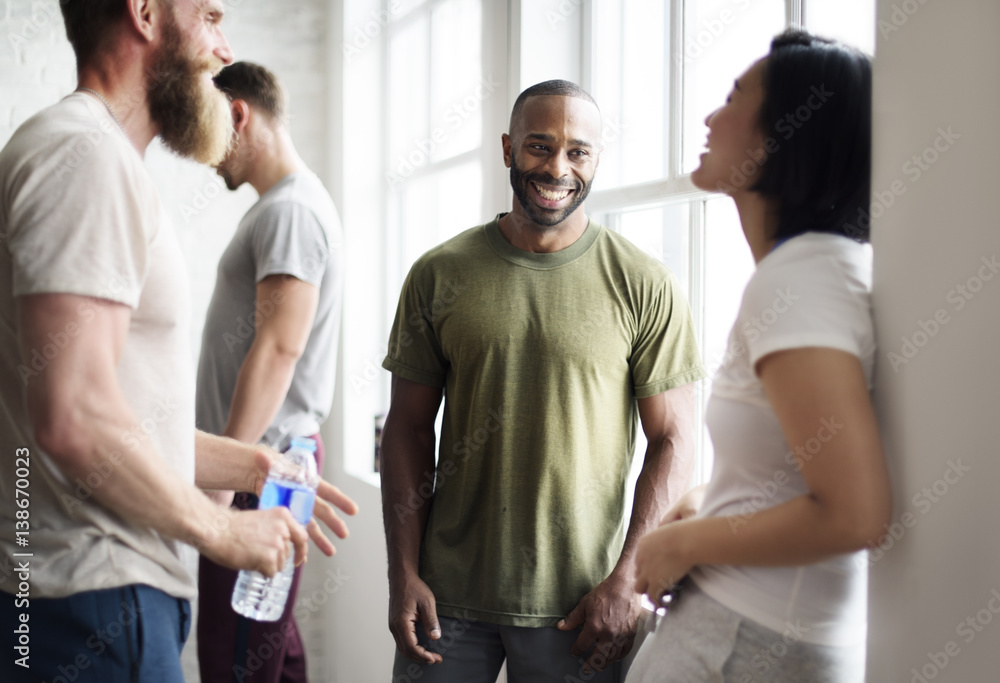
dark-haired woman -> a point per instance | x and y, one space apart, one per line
775 555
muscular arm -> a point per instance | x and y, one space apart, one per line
668 423
79 416
286 308
849 498
609 613
408 440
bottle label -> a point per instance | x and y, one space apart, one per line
298 498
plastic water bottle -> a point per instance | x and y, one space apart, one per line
291 483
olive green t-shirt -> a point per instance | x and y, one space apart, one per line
542 358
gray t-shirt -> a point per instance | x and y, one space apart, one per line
292 230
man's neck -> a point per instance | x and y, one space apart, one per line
123 87
275 163
525 234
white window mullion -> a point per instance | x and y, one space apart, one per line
675 139
392 258
428 64
795 12
696 268
587 29
644 195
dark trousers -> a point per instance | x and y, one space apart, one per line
131 634
234 649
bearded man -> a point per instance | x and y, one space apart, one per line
281 276
100 454
547 335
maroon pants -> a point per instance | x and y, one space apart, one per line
234 649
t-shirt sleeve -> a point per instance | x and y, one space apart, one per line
807 303
665 354
415 351
288 239
83 229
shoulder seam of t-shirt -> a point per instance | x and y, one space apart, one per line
771 284
276 226
276 204
822 251
120 155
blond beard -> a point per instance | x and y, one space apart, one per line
193 115
208 142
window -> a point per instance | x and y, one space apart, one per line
418 93
657 70
434 124
427 89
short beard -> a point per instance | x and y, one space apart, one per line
225 166
519 182
192 114
227 178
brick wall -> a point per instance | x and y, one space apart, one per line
36 62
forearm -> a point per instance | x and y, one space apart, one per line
665 476
407 458
801 531
134 482
261 388
226 464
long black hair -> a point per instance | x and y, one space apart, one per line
818 108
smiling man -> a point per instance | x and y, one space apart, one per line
96 378
547 336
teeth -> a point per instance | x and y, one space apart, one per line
551 196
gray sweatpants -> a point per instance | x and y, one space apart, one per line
701 640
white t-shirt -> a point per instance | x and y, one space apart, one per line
79 215
811 291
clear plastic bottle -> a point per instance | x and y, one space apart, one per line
291 483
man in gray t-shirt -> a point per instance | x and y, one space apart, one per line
269 345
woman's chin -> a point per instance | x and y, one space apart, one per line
701 179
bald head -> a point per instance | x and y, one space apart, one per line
558 88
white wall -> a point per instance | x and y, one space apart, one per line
939 398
